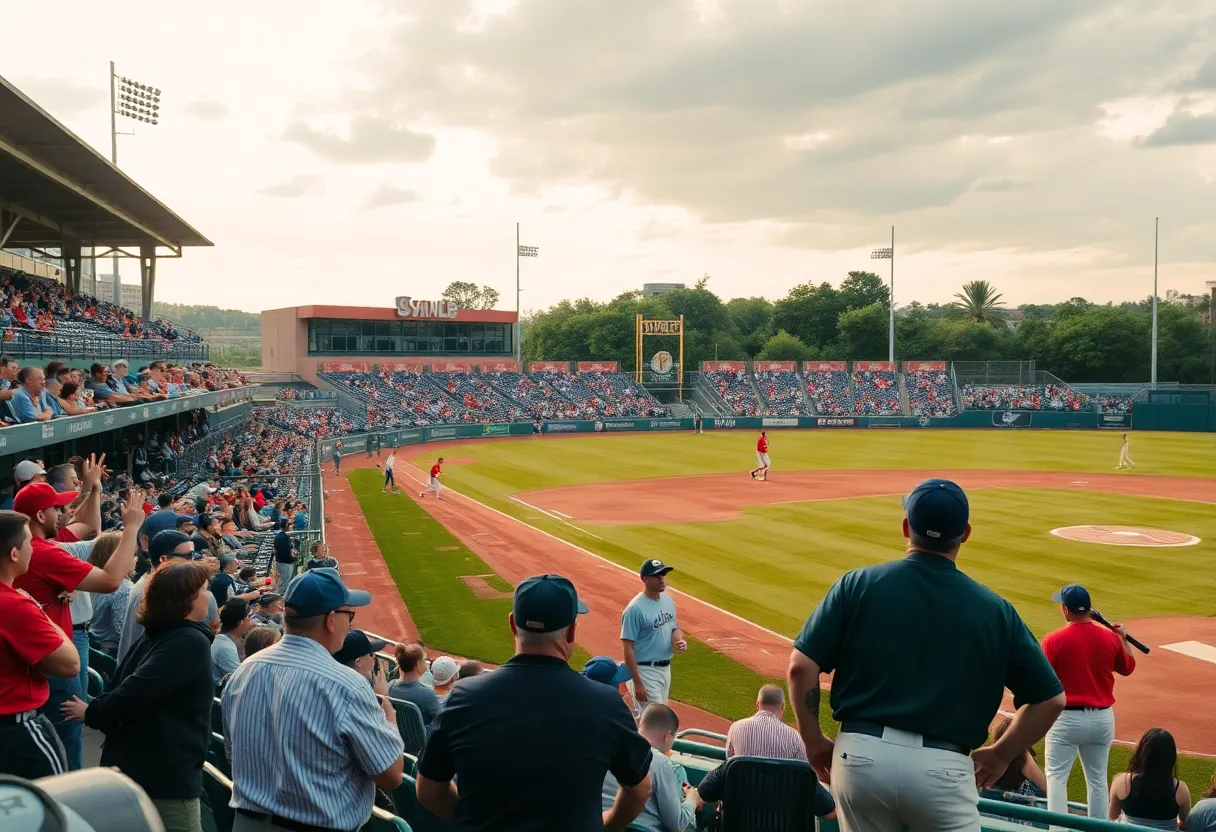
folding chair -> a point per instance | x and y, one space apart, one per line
410 724
764 795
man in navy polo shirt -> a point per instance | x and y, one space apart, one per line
531 742
922 655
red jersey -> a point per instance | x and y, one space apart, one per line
26 638
1086 656
52 571
762 445
435 470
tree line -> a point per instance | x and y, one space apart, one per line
1076 340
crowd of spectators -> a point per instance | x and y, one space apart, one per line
735 389
1114 404
481 401
829 392
620 395
43 305
876 393
319 422
780 390
1059 397
930 393
294 394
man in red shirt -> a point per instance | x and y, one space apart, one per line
1086 656
32 648
761 457
54 573
434 487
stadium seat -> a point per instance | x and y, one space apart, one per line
765 795
217 756
103 662
382 821
405 798
217 715
97 683
410 724
217 789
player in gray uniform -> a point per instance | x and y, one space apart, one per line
650 635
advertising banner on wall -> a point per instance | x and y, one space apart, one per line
924 366
874 366
722 366
835 422
344 366
500 367
774 366
450 367
402 366
1011 419
599 367
775 422
1115 420
549 367
823 366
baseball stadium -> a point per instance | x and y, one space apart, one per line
442 456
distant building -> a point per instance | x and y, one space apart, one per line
131 297
649 290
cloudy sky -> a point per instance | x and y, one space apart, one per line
361 150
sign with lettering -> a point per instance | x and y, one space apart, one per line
450 367
924 366
407 307
661 328
500 367
722 366
774 366
548 367
344 366
823 367
874 366
599 367
401 366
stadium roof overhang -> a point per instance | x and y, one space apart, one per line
54 186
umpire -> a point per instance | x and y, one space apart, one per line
921 655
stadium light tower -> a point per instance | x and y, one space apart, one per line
520 251
1156 232
889 254
136 101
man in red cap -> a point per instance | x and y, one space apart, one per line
54 573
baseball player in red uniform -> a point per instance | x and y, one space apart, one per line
761 458
434 487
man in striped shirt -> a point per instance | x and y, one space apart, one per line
308 739
764 734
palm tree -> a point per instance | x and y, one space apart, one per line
979 302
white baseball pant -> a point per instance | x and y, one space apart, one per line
1088 733
657 681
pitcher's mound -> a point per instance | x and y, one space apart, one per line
1125 536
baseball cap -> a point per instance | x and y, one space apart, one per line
606 671
653 568
268 598
26 470
321 591
937 509
164 543
1073 596
122 362
39 496
356 645
545 604
444 670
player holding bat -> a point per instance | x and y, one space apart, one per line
1086 656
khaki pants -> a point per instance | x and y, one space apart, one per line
884 784
179 815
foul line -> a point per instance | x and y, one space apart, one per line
550 514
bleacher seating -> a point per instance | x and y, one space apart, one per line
876 393
829 392
535 397
734 387
781 392
1114 404
481 402
1058 397
621 395
930 393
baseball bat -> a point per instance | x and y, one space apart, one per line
1139 645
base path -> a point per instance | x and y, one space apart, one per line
724 496
1167 687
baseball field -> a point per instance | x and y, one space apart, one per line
753 558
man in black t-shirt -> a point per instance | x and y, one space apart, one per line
284 557
560 731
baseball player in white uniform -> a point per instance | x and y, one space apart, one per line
390 465
650 635
1125 459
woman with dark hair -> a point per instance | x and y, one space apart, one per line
109 611
259 638
1023 775
156 714
208 530
1149 793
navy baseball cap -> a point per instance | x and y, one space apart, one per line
356 645
544 604
605 670
937 509
165 544
1073 596
653 568
268 598
321 591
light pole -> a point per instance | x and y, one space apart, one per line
520 251
1156 228
1212 327
136 101
889 254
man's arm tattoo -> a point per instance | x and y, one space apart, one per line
811 699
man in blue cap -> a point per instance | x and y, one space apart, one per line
309 739
1086 656
922 655
560 731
